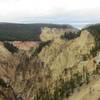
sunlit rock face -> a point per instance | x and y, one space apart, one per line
27 73
25 45
52 33
61 54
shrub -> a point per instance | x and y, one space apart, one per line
10 47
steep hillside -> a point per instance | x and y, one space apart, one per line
95 30
57 69
61 54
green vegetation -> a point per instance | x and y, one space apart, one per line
95 31
22 32
2 83
4 36
37 50
10 47
69 35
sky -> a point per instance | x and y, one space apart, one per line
74 12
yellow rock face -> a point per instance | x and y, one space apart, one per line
66 54
53 33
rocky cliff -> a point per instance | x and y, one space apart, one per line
61 54
51 71
53 33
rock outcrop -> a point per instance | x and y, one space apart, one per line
54 33
52 73
61 54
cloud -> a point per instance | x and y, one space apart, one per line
54 11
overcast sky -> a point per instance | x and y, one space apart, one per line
50 11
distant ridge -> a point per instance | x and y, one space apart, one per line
23 32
